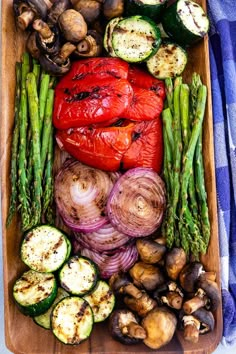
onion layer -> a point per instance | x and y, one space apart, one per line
81 194
137 202
120 260
104 239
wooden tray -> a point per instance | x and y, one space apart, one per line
22 335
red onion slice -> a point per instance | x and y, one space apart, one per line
108 264
137 202
81 194
104 239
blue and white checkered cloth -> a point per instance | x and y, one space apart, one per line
222 15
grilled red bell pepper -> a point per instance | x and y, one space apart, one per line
117 147
90 101
141 78
145 105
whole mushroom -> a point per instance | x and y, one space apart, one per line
175 260
124 327
189 275
89 9
47 39
90 46
150 251
56 10
26 11
73 26
113 8
147 276
160 325
169 294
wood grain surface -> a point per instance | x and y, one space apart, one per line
23 336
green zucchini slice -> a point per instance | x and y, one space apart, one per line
101 300
44 320
169 61
149 8
107 39
136 38
72 320
185 22
34 292
78 275
45 248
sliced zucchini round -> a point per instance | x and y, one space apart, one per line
45 248
72 320
185 22
44 320
149 8
169 61
78 275
107 39
35 292
136 38
101 300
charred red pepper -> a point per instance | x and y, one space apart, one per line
90 101
145 105
141 78
116 147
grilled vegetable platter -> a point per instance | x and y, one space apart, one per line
110 200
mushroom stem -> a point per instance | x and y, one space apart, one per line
134 330
131 290
191 329
43 28
25 19
198 301
65 52
173 299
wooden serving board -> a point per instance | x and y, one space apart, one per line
22 335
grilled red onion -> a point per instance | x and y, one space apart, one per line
104 239
137 202
121 259
81 194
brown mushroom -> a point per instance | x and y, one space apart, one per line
120 284
47 39
113 8
141 305
89 9
146 276
169 294
73 26
28 10
160 325
90 46
175 260
150 251
58 64
56 10
124 327
189 275
207 295
200 322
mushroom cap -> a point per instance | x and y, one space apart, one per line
146 276
160 325
150 251
49 48
72 25
39 7
212 291
206 318
175 260
58 7
189 276
117 320
117 281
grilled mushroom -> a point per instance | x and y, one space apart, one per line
56 10
141 305
124 327
175 261
189 276
146 276
89 9
73 26
90 46
169 294
121 284
47 39
26 11
113 8
208 295
60 63
149 250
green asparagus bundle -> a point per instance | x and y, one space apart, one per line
32 146
186 222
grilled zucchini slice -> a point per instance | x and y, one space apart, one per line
78 275
101 300
34 292
72 320
44 320
169 61
136 38
185 22
45 248
107 39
